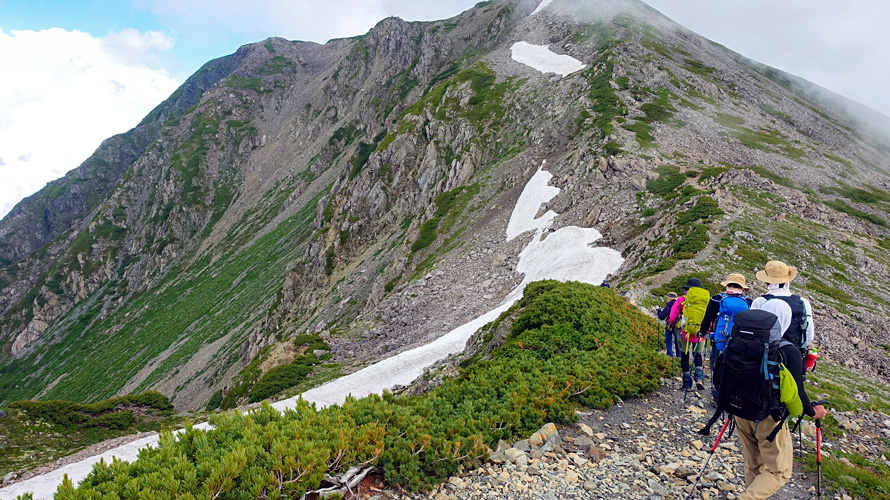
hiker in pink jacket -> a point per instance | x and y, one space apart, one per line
674 318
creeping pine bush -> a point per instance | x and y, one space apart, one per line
68 413
667 182
570 345
706 207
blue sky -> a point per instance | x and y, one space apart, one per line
76 72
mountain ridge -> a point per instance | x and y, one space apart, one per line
316 188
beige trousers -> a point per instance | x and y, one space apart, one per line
767 465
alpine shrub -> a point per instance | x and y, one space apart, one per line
118 420
704 208
694 242
571 344
278 379
669 179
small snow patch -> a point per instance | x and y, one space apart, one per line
545 60
535 193
541 6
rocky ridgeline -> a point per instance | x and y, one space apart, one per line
644 448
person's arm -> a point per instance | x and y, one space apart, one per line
794 363
664 312
711 314
676 310
811 332
758 303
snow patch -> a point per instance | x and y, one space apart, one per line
541 6
536 193
401 369
565 254
545 60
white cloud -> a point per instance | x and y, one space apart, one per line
63 92
309 20
840 48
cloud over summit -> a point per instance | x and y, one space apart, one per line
68 92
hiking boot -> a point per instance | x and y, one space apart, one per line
687 381
699 378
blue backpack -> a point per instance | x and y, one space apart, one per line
730 305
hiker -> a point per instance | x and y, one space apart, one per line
671 343
717 323
689 310
777 275
768 464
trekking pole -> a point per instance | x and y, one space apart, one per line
711 454
691 365
819 452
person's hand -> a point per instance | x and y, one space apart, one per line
820 412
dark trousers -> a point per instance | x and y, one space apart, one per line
685 355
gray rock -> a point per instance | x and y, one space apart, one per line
514 455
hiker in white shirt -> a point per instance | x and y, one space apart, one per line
777 275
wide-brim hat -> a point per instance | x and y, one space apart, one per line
692 282
736 278
777 272
672 295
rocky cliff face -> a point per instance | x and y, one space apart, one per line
362 188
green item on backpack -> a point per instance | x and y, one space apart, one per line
788 392
694 306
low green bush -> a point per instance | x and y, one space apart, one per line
694 242
117 420
306 339
710 173
571 344
705 208
215 401
68 413
278 379
669 179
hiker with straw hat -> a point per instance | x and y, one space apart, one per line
777 275
766 442
718 320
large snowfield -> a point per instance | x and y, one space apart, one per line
564 254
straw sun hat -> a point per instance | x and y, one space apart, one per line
777 272
736 278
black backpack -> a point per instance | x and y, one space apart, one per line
796 333
746 373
